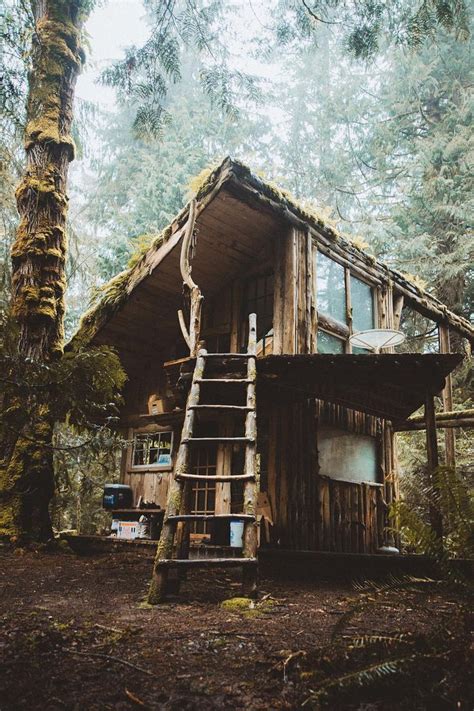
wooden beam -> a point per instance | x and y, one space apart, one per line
327 323
398 302
453 418
467 423
347 284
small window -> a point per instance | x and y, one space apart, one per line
331 288
327 343
152 450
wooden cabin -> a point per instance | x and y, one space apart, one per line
326 413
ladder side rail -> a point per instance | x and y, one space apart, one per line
176 489
250 542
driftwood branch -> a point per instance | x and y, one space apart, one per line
191 334
184 328
184 262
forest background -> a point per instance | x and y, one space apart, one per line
374 131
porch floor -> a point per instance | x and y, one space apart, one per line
286 563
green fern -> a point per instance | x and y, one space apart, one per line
447 493
361 678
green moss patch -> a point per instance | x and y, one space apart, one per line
249 608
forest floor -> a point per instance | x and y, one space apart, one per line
76 634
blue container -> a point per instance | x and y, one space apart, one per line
117 496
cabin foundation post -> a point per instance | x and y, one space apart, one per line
449 435
433 463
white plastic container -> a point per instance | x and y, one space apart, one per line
128 530
236 534
114 527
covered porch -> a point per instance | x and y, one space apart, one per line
314 505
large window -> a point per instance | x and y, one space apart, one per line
346 456
152 450
345 304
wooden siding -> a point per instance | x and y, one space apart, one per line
312 512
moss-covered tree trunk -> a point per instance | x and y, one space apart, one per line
38 256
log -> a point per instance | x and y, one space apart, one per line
449 438
433 462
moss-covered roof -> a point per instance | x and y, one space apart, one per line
115 293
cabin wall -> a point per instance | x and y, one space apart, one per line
295 313
314 512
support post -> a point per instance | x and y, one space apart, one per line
449 435
436 519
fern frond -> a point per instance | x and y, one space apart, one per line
363 677
380 640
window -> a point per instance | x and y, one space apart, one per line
362 304
329 344
204 492
331 289
336 290
258 299
346 456
152 450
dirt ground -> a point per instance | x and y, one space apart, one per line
76 634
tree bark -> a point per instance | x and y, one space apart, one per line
38 257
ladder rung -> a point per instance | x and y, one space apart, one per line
228 355
228 477
224 380
236 408
222 440
204 562
211 517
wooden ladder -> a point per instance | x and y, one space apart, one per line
178 517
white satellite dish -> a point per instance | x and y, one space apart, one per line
375 339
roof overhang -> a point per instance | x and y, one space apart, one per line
237 213
391 386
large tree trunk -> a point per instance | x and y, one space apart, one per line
38 256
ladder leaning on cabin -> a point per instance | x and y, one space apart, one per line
179 494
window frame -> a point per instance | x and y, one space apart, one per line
150 467
330 325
